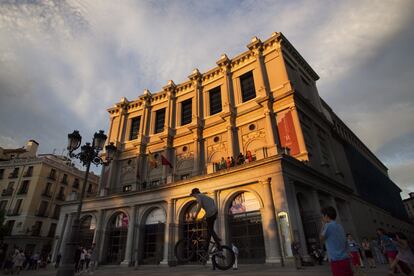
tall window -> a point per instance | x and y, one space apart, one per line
215 100
16 210
186 111
65 179
24 187
75 183
159 120
135 122
52 174
61 195
3 204
9 227
14 173
56 212
52 230
36 228
42 209
1 173
29 171
247 86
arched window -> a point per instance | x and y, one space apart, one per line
117 236
245 228
153 241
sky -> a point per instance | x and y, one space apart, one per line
63 63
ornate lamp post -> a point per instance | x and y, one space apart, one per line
88 154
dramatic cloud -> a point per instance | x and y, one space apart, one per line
62 63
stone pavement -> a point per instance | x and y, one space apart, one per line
193 270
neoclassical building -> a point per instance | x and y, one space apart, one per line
252 133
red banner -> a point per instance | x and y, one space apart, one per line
287 133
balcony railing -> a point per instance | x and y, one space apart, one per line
13 175
7 192
46 194
11 213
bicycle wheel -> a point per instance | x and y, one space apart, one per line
224 259
184 250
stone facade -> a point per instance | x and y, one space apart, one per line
262 104
33 189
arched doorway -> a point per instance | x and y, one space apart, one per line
153 237
245 228
117 236
194 228
86 231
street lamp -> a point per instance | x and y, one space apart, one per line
87 155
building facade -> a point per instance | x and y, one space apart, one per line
33 189
409 206
254 135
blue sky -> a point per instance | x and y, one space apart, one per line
63 63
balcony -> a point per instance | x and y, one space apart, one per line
22 192
11 213
46 194
28 174
7 192
60 197
13 175
42 214
52 177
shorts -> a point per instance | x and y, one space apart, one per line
356 261
391 254
368 253
341 268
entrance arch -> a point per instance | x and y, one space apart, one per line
153 237
192 223
117 235
87 231
245 228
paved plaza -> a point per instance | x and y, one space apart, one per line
200 270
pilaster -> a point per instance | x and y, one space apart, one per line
130 237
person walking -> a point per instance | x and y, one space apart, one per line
354 253
18 260
404 260
368 253
236 255
94 259
387 244
333 236
295 246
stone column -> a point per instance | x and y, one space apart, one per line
298 130
168 239
269 223
66 234
61 229
97 237
314 197
130 237
272 137
226 91
256 47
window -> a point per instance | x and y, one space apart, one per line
36 228
1 173
75 183
42 209
14 173
56 212
3 204
247 86
9 227
29 171
48 187
90 188
16 210
65 179
127 188
215 100
52 174
24 187
52 230
61 195
135 122
159 120
186 111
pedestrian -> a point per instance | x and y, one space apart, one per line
249 156
368 253
8 263
333 236
236 256
376 250
94 259
240 159
228 162
404 256
223 164
36 261
387 244
316 253
82 259
58 257
232 162
77 258
354 253
18 260
295 246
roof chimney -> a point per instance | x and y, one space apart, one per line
31 147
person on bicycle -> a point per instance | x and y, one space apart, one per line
209 206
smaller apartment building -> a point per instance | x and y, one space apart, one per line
32 189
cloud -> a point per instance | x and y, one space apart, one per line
7 142
62 63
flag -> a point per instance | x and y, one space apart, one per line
152 161
165 162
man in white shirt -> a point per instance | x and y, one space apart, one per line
209 206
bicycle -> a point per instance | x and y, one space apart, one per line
185 250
